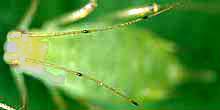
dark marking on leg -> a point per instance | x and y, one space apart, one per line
135 103
79 74
145 17
85 31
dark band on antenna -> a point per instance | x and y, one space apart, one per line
85 31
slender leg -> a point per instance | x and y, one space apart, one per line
19 78
155 12
137 12
26 21
58 100
6 107
78 74
73 16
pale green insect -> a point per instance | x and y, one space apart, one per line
51 57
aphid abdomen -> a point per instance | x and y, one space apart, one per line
114 57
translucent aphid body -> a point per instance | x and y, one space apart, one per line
54 57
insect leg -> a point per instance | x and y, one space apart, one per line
58 100
26 20
73 16
137 12
6 107
79 74
19 78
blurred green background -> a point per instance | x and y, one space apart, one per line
184 41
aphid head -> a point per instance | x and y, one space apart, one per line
11 47
20 46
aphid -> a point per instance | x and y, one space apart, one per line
26 50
